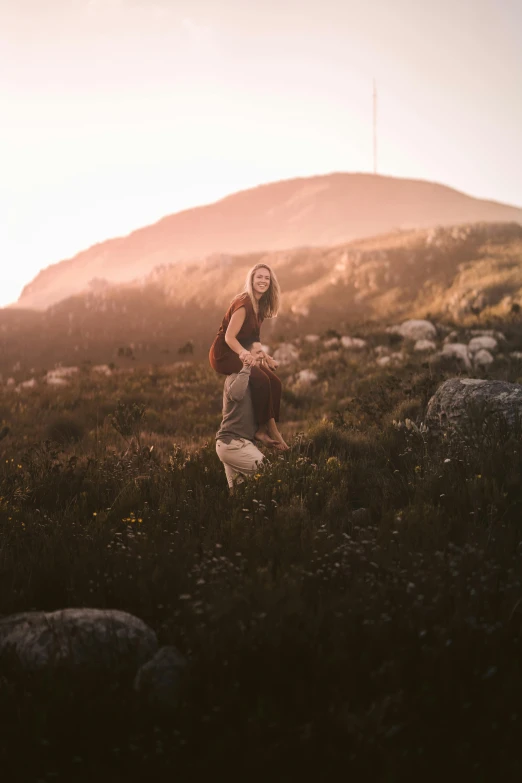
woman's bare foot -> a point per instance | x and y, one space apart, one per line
276 435
264 437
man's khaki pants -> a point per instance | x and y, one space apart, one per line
240 458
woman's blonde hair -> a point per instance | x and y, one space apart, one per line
268 304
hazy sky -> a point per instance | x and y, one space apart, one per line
114 113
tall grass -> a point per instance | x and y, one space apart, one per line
386 641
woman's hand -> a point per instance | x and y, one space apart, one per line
271 363
247 358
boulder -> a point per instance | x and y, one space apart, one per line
483 358
452 337
158 682
414 329
75 641
312 338
353 343
331 342
30 384
488 333
306 377
393 359
102 369
457 351
484 342
286 353
452 405
424 345
62 372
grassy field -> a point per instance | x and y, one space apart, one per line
357 606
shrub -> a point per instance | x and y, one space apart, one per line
65 429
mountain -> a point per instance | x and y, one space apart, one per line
306 212
457 274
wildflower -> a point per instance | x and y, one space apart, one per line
418 468
94 514
333 462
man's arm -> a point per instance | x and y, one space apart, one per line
237 388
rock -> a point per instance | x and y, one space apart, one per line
158 681
61 372
300 309
382 350
485 342
482 358
312 338
353 343
457 351
30 384
414 329
452 337
76 640
392 359
424 345
516 355
102 369
488 333
331 342
286 353
10 382
452 404
329 356
57 382
306 377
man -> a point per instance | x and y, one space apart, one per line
235 445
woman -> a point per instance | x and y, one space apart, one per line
242 324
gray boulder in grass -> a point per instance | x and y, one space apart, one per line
454 402
158 682
83 640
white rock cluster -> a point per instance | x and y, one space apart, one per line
286 353
414 329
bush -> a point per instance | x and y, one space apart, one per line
65 429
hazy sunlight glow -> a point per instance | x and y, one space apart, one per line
115 113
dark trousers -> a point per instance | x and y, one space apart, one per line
265 386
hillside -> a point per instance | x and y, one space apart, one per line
457 275
306 212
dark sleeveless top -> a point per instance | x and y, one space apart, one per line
250 330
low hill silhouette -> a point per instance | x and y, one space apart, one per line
454 274
313 212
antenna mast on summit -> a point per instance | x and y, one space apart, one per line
374 127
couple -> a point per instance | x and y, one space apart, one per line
252 391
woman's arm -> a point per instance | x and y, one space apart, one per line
236 322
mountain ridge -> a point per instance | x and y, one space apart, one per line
466 274
319 211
